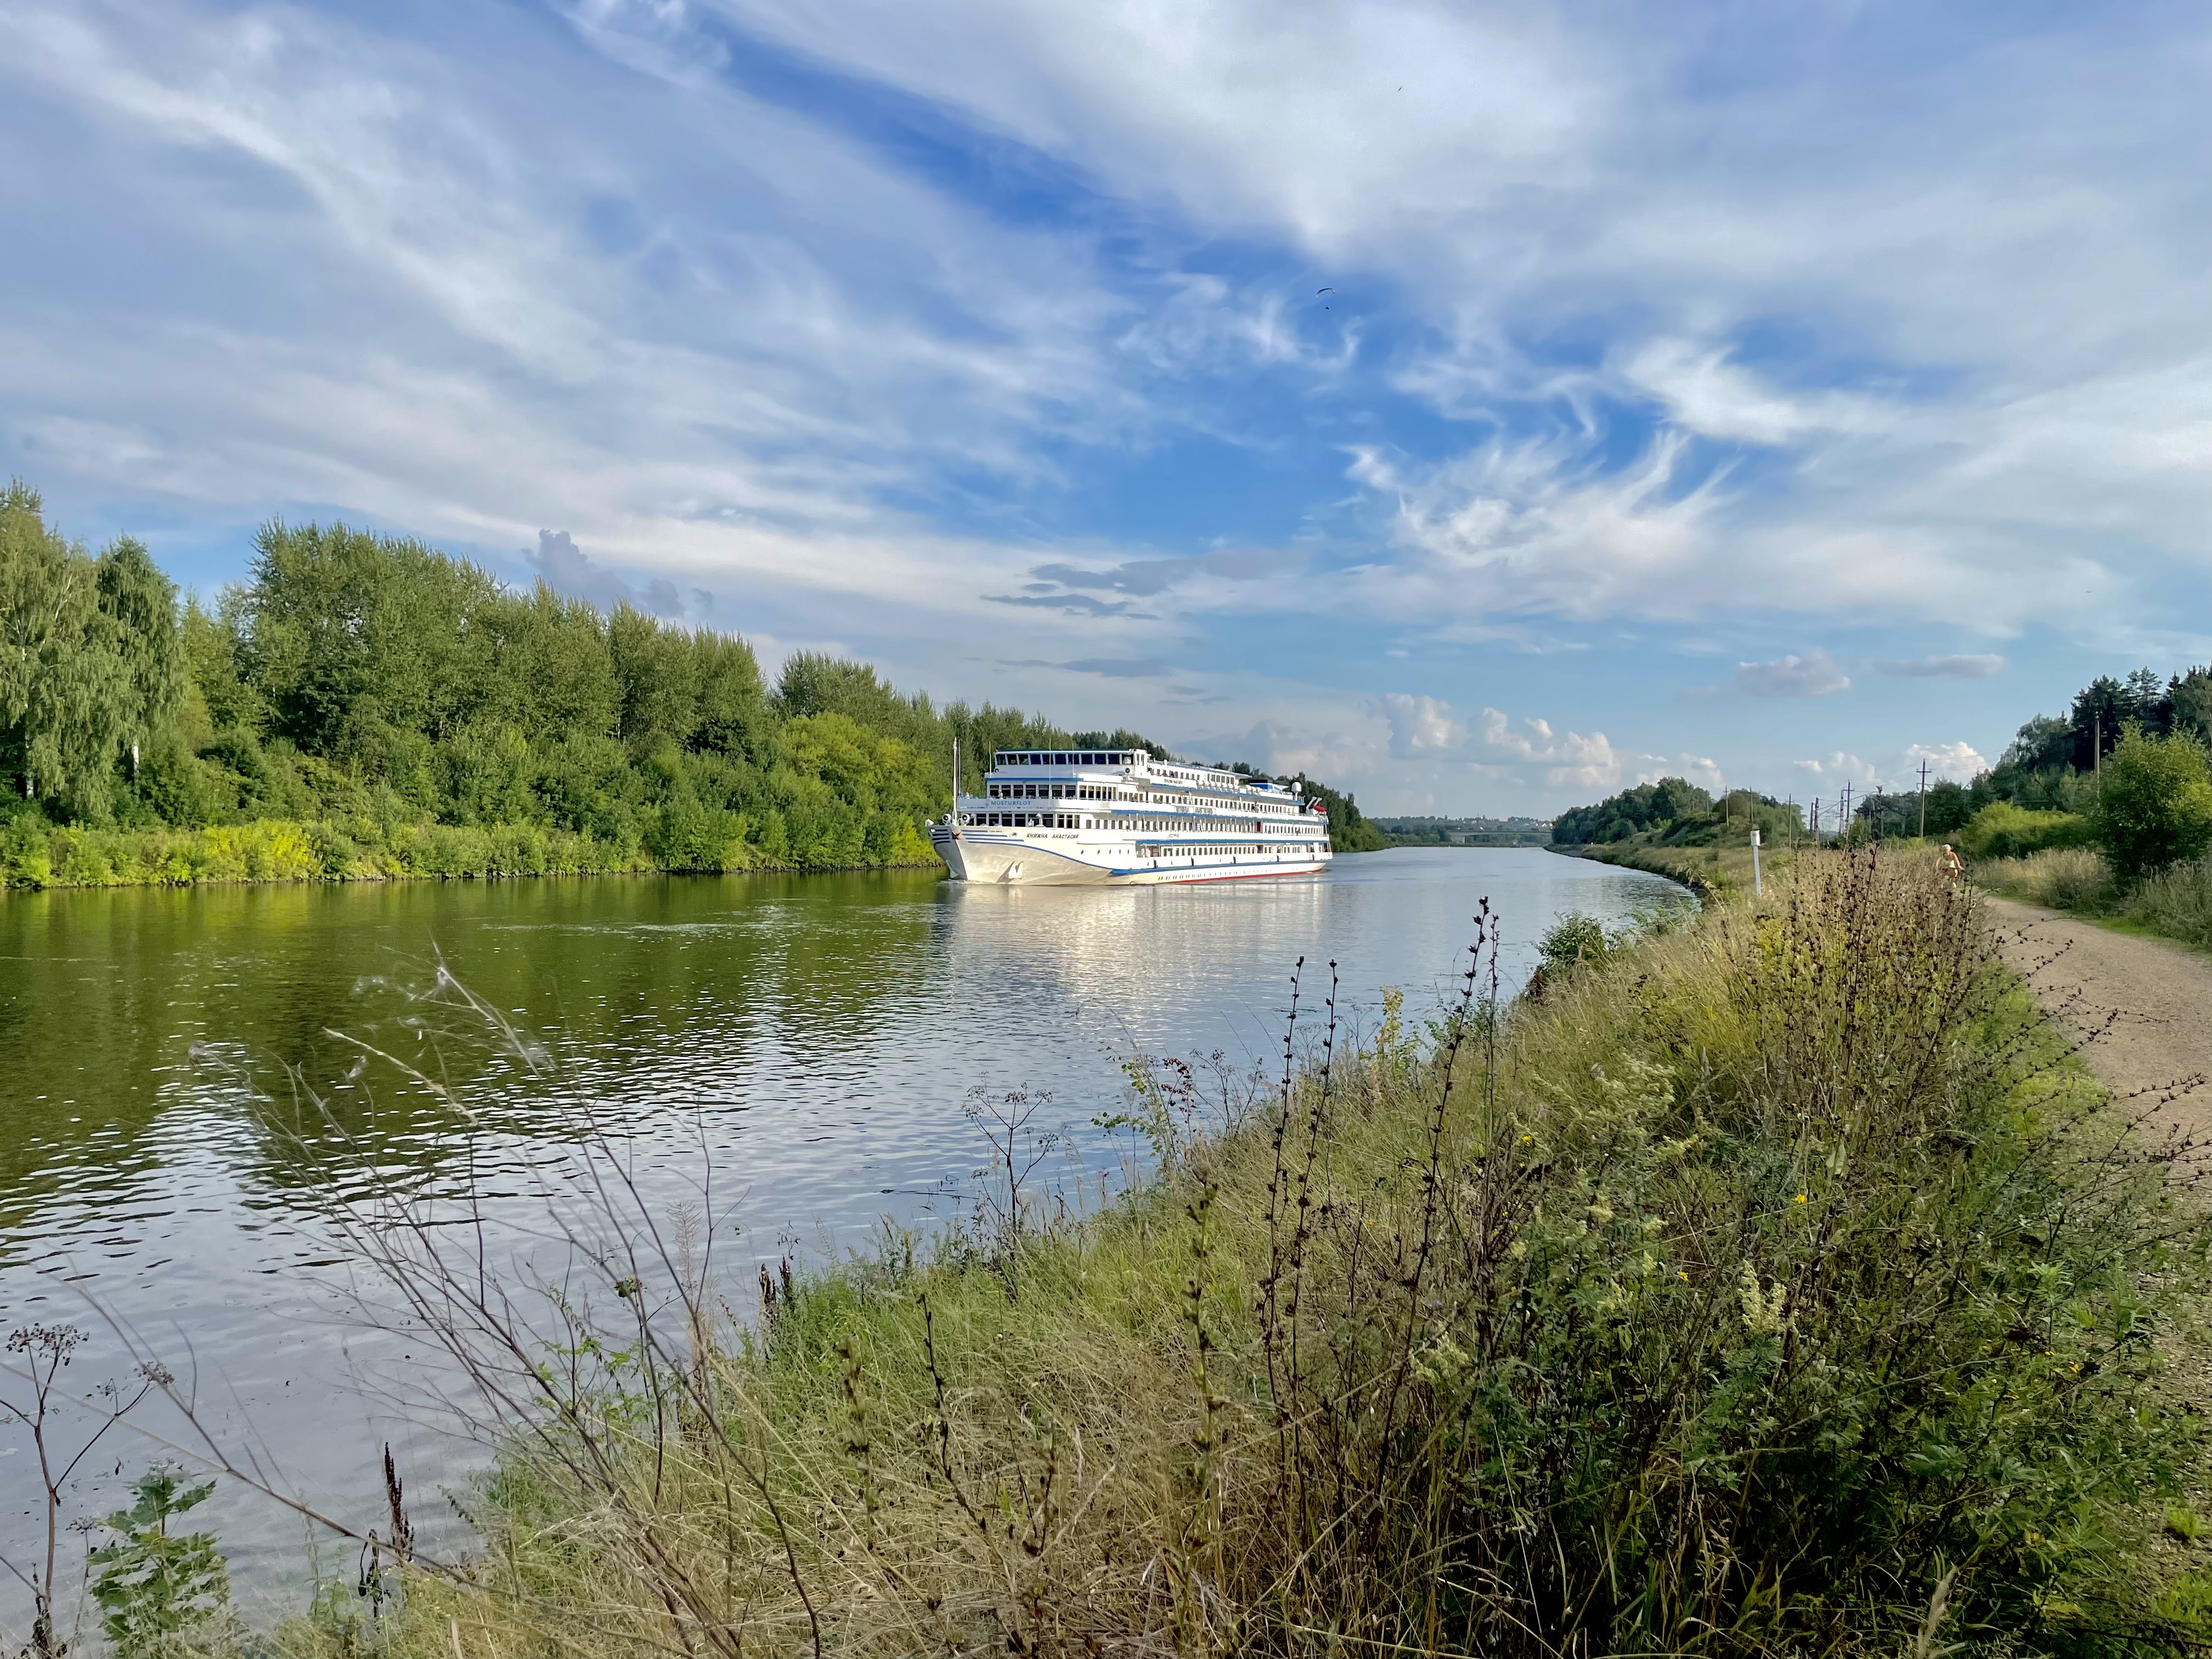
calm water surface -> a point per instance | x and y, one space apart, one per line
818 1034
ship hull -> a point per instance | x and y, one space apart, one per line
986 860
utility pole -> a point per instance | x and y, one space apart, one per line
1923 800
1843 822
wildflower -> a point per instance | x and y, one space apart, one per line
1800 1198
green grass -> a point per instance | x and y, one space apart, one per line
1713 870
1779 1285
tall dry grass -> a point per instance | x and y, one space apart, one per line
1778 1287
2176 901
2058 878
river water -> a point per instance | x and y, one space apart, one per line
812 1040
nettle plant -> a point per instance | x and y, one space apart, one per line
161 1592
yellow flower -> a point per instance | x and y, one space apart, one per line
1800 1198
1680 1274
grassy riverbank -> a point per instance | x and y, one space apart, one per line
34 853
1778 1285
1713 871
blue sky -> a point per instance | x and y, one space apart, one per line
1485 406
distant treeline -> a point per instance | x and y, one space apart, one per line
1430 831
1678 810
2052 763
2049 768
362 686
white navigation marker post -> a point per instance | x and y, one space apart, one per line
1757 889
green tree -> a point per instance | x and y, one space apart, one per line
2155 806
340 628
2191 694
64 684
1949 806
141 605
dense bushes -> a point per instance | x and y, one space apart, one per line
1780 1286
2153 804
2001 830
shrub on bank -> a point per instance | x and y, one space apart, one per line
2002 830
2153 802
1778 1287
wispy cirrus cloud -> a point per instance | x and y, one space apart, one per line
989 335
1813 675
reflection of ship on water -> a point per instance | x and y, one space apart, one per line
1087 816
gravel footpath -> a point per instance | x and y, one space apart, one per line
2144 1007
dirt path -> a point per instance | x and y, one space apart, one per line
2146 1006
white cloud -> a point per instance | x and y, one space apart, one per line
1525 527
1992 341
1569 759
1983 665
1958 762
1812 675
1835 766
1421 728
1705 392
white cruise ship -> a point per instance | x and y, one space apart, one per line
1064 816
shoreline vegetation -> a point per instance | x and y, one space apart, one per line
1773 1281
364 707
2106 813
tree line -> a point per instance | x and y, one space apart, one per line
1675 811
370 680
2124 768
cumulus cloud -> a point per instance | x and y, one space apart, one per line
1813 675
1570 758
1421 728
1985 666
1960 763
567 570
